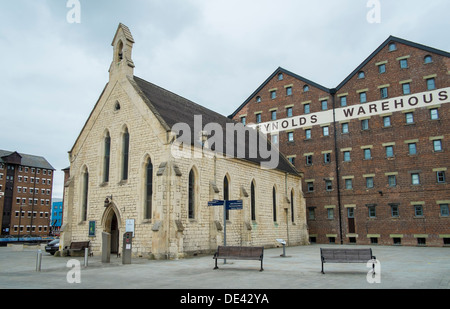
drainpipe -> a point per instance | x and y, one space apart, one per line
336 154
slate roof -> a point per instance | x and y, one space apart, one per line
275 73
389 40
171 109
355 71
28 160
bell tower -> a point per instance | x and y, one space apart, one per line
122 64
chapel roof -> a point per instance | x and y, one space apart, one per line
171 109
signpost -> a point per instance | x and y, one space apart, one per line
229 205
234 204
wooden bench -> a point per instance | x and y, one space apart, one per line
239 253
331 255
78 246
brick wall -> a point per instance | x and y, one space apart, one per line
328 208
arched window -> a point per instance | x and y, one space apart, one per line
292 205
148 189
428 59
252 201
274 204
191 195
125 153
84 193
120 51
106 157
226 195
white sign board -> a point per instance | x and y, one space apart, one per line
129 226
407 102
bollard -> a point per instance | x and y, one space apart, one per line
284 250
86 254
38 260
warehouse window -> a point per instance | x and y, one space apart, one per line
404 63
431 84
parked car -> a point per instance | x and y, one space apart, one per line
52 246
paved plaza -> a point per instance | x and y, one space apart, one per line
398 268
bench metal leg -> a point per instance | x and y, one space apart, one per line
216 265
261 266
322 268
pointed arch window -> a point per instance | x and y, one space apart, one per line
191 195
106 157
253 201
125 153
292 205
84 193
226 195
274 204
148 189
120 51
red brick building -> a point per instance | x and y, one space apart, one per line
374 151
26 183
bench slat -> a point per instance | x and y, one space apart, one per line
329 255
239 253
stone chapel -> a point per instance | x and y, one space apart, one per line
126 175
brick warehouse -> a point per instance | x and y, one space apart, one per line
25 194
374 150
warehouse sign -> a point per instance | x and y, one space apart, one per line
403 103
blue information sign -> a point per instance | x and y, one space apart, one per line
234 204
215 203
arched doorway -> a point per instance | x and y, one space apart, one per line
111 225
114 234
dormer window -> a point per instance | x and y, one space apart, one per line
392 47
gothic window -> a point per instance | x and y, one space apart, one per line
253 201
226 195
125 153
148 189
84 193
120 51
191 194
292 205
274 204
106 157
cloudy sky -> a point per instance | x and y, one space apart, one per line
213 52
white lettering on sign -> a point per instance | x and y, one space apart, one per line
397 104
